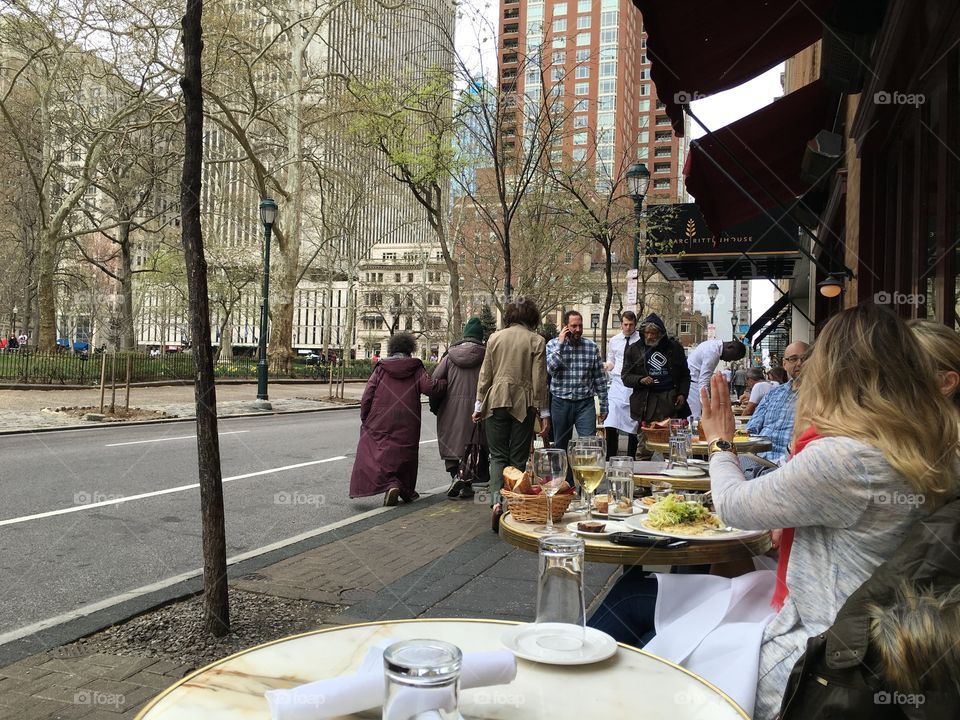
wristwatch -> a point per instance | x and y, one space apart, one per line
720 446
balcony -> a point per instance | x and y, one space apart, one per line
511 13
511 28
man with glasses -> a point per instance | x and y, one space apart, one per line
774 416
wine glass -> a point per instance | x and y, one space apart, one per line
597 441
549 472
588 460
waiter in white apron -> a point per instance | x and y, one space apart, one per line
618 395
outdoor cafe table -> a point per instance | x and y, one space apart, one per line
646 472
753 444
632 683
525 536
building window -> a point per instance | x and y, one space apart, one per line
409 277
579 154
644 88
605 120
644 106
560 41
396 277
582 105
643 152
661 184
583 22
606 153
556 156
606 103
608 69
556 73
608 37
608 19
663 120
580 121
559 58
583 38
582 71
643 137
580 138
560 9
581 89
560 25
644 74
685 327
664 136
583 56
584 6
662 167
608 87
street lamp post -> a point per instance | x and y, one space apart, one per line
268 215
595 323
712 290
638 180
733 325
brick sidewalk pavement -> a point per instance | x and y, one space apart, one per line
439 560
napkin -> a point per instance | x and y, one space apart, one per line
350 694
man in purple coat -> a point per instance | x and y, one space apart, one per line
389 449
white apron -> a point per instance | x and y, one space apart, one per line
618 400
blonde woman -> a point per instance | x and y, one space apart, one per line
860 478
942 344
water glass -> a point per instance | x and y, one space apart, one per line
561 610
422 676
620 474
678 451
660 490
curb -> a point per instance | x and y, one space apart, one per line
77 628
163 421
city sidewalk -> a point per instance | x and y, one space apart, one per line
434 558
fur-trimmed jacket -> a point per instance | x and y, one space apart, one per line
894 650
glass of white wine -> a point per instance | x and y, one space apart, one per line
588 462
549 472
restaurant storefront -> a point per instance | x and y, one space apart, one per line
861 152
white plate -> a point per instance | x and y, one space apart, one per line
638 507
639 523
524 642
610 527
688 472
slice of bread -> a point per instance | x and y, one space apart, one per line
511 477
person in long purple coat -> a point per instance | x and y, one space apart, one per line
389 449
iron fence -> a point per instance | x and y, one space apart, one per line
71 368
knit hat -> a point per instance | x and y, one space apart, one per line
473 329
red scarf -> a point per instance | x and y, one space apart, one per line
786 540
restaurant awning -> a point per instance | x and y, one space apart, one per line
761 153
777 322
701 47
770 317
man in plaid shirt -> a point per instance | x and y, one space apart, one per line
576 377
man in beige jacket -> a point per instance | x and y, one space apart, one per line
512 390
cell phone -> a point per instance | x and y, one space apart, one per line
641 540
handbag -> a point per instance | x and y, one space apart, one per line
474 462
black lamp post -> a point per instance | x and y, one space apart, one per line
638 180
268 215
733 325
595 323
712 290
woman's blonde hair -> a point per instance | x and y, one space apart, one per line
866 381
941 344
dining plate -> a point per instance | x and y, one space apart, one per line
538 642
638 522
687 472
610 527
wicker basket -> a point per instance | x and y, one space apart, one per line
657 434
533 508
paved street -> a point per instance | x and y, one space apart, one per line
90 514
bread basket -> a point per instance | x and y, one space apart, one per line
533 508
657 434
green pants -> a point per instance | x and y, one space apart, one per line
508 442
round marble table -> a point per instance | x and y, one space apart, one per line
524 536
754 444
631 683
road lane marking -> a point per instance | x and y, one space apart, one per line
86 610
155 493
181 437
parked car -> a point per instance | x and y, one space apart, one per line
314 359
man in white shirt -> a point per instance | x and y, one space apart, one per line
758 387
618 417
703 361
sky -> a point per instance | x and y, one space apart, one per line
476 45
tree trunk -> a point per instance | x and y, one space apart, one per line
216 609
47 294
125 278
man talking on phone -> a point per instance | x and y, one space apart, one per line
576 378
